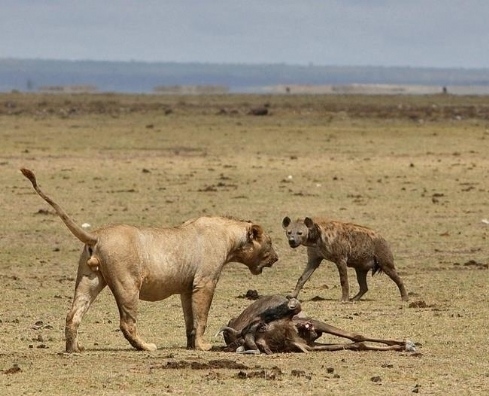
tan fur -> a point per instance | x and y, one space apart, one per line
93 263
346 245
153 263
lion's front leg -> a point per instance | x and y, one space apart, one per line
202 295
188 315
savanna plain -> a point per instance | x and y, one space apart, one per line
414 168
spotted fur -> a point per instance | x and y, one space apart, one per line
346 245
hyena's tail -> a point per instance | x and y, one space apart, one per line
376 269
86 237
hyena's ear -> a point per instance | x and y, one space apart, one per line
255 233
313 232
285 222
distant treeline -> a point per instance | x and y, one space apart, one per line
133 77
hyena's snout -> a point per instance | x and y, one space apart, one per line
293 243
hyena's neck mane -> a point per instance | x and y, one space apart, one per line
314 235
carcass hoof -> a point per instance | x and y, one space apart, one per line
409 346
244 351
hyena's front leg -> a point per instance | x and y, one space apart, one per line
312 264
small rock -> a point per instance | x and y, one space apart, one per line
13 370
298 373
418 304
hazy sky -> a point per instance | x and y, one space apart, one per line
431 33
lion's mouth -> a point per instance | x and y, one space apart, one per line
259 269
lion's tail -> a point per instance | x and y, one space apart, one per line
84 236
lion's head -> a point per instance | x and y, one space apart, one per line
257 252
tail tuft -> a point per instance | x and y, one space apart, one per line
30 175
410 346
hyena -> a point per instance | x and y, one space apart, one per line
346 245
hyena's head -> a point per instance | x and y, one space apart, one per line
301 232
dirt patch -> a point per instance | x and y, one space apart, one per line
12 370
476 265
273 374
418 304
250 295
195 365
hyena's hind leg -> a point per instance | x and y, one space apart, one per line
392 273
362 282
384 261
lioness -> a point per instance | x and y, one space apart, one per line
346 245
153 263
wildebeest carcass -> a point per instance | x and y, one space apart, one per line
273 324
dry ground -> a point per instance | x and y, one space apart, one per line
413 168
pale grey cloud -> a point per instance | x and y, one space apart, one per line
433 33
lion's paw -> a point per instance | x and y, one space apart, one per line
150 347
204 346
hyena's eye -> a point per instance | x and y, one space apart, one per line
299 233
289 232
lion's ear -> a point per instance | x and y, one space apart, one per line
255 232
286 222
308 222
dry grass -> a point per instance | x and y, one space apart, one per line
413 168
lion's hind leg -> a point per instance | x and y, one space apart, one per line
88 286
127 297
